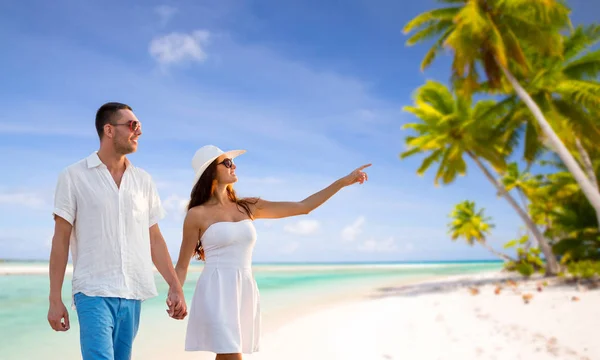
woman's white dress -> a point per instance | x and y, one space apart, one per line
225 309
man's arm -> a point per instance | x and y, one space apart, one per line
162 261
59 256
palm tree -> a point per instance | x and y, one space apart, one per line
473 226
567 91
492 34
450 128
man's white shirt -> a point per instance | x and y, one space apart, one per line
110 241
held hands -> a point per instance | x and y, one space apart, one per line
357 176
56 314
176 303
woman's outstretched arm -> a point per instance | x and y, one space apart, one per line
264 209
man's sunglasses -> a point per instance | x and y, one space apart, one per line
134 125
228 163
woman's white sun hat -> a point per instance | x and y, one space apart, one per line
206 155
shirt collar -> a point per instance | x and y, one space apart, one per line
94 161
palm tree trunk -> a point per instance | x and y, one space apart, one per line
552 267
497 253
587 162
524 202
590 192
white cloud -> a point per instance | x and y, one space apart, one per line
176 205
372 245
178 47
29 200
350 232
303 227
165 13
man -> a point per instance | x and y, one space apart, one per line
108 211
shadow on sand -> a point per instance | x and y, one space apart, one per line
445 286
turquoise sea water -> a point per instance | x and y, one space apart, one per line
25 333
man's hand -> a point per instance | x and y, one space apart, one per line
56 314
176 303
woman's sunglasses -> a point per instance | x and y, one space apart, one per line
228 163
134 125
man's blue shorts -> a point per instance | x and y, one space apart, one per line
108 326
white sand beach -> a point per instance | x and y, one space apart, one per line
17 269
444 320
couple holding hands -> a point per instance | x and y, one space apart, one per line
106 212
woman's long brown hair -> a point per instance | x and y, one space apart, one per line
203 190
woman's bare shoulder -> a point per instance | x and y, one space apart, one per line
196 214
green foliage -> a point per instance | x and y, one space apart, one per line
559 66
469 223
523 268
449 127
557 203
585 269
488 35
565 88
528 258
522 241
583 247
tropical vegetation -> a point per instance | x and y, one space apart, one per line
525 85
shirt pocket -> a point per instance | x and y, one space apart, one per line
139 207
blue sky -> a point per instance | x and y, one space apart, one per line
312 89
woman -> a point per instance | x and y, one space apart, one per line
225 311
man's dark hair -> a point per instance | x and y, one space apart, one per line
106 114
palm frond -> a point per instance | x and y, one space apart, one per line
427 18
424 112
437 95
582 38
584 125
462 107
510 138
532 35
586 67
471 18
451 172
428 32
533 146
437 47
442 170
551 13
434 157
483 112
492 156
513 48
583 92
495 43
466 86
